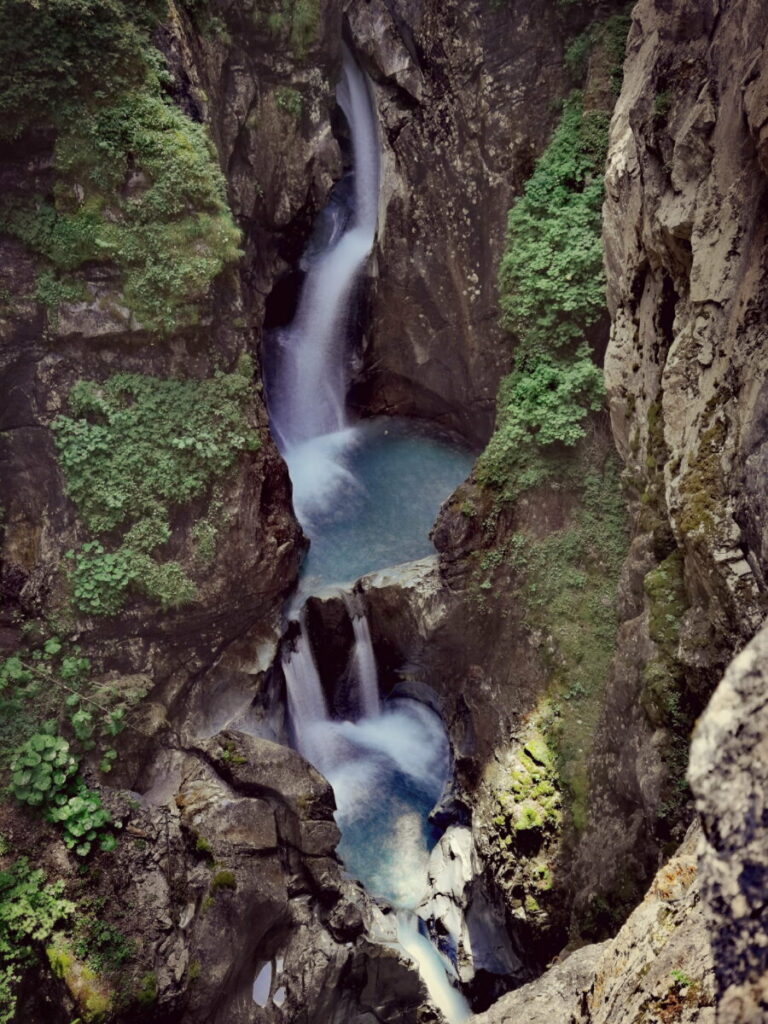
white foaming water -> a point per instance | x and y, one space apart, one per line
319 476
387 770
308 386
306 700
435 969
365 668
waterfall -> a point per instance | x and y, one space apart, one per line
388 767
364 663
306 701
434 968
307 383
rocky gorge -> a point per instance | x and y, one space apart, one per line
595 598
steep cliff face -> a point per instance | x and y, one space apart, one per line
261 81
684 236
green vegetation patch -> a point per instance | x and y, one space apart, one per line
30 910
138 186
566 586
132 448
52 713
55 52
298 19
551 291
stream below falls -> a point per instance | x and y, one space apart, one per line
366 494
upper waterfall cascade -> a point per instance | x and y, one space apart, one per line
307 386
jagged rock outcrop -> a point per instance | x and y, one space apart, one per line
658 968
686 190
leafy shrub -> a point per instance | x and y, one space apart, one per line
551 292
42 768
169 235
551 276
44 776
82 817
134 447
54 52
29 912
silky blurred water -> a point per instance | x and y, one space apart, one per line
368 496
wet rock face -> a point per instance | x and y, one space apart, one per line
728 772
267 102
465 93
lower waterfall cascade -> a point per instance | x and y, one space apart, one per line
388 768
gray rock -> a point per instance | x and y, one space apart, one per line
729 776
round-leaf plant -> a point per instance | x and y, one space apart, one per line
41 768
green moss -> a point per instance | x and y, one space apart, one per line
93 997
532 905
538 749
529 817
668 601
289 100
203 846
542 877
146 990
224 879
703 487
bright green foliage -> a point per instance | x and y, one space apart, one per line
43 775
29 912
52 291
551 276
551 291
100 578
133 448
170 235
44 690
136 445
80 813
536 408
138 183
42 768
54 51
